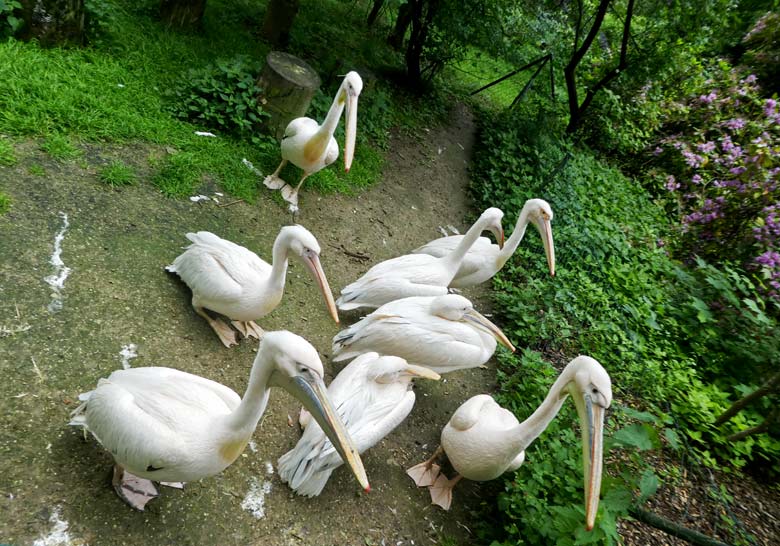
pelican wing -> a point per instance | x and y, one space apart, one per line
406 276
469 413
480 261
412 334
300 124
368 410
216 268
143 415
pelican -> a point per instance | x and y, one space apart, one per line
373 396
234 281
483 440
168 426
311 146
416 274
443 333
485 259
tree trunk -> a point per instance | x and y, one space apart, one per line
288 85
422 19
740 404
577 110
376 8
396 38
279 18
53 22
182 13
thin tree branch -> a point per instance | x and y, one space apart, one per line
740 404
674 529
758 429
502 78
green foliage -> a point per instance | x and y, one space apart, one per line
222 97
5 203
7 154
36 170
9 22
619 297
762 43
60 147
114 90
117 174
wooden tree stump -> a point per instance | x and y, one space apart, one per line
53 22
288 85
182 13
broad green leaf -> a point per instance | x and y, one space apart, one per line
648 485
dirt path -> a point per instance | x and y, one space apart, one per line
116 294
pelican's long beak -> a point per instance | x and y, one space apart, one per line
312 261
480 320
545 230
313 395
592 425
351 129
422 372
498 233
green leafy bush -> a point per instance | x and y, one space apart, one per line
9 23
222 97
762 43
617 296
720 167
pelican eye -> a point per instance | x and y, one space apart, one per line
595 390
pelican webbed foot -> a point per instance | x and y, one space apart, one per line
135 491
174 485
290 195
441 490
226 335
248 328
273 182
425 473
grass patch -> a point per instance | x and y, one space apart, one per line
178 174
5 203
7 154
36 170
120 90
117 174
60 147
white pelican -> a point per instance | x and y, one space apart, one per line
166 425
234 281
485 259
483 440
443 333
311 146
415 274
373 395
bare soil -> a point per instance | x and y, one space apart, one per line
117 293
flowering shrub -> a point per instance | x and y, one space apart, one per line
721 169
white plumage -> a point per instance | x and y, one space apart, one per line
484 259
415 274
167 425
231 280
443 333
373 396
311 146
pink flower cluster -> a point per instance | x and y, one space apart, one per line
723 174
